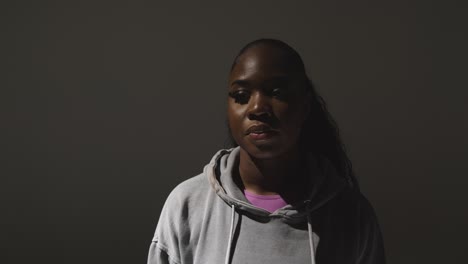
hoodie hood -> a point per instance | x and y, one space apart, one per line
325 185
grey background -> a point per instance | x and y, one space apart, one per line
107 105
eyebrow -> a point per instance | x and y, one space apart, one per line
279 79
242 83
245 83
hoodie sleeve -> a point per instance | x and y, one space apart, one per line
158 255
164 248
371 249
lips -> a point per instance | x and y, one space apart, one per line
258 129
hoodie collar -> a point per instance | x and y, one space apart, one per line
326 185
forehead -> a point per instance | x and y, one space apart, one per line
263 60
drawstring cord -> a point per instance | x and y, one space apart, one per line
311 240
311 233
231 233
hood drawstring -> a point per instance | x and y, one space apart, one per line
311 233
231 234
311 240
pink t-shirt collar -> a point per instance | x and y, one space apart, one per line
270 203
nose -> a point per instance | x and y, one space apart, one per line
259 106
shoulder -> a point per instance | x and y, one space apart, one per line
364 208
354 208
183 198
188 190
371 246
356 219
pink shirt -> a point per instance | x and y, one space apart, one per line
268 202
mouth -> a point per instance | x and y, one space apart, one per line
263 135
259 132
259 129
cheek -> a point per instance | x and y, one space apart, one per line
292 117
234 115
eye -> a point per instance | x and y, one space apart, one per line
240 96
279 92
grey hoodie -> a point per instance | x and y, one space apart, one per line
207 219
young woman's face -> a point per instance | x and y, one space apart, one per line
267 104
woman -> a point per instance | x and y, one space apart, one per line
285 193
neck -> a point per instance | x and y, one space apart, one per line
283 175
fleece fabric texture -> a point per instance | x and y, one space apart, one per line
208 220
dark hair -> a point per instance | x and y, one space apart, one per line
320 134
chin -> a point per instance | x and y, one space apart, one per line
263 152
